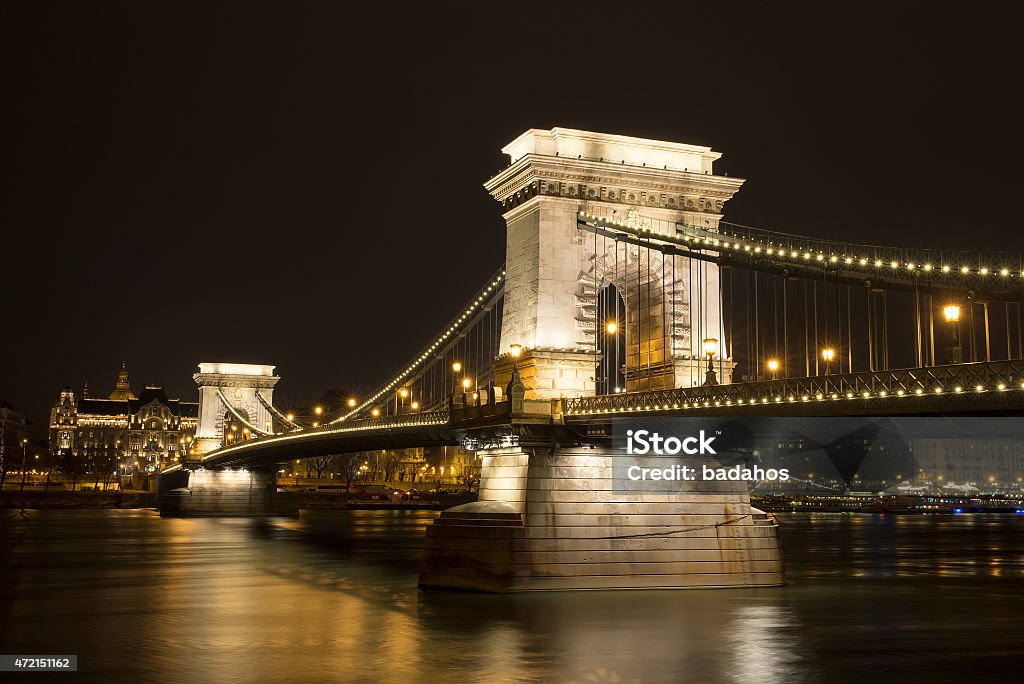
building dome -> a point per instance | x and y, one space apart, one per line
122 391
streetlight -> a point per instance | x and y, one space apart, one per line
515 351
375 412
612 328
773 366
318 410
403 394
828 354
352 403
415 405
710 348
952 314
24 448
456 367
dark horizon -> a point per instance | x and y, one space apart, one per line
244 184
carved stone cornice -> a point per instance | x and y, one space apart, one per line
596 181
245 381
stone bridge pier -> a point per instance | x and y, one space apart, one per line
550 518
223 492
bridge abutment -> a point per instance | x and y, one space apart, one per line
551 519
228 493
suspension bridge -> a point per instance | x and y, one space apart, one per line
626 293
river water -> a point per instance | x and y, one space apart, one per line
332 596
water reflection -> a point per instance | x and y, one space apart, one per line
333 597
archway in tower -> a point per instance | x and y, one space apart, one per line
611 337
234 430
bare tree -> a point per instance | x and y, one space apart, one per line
73 465
320 464
390 460
348 465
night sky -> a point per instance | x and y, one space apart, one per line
300 183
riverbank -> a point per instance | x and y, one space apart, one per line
76 500
112 500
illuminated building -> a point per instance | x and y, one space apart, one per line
13 427
129 432
974 461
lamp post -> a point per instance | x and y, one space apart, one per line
773 366
827 355
456 367
514 390
710 348
24 451
952 314
515 351
400 398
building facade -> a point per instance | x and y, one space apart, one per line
122 432
980 463
13 429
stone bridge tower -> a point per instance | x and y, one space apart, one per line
237 383
555 272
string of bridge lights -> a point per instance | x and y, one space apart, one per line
778 399
422 420
747 245
482 297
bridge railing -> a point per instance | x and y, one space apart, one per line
990 376
416 419
408 420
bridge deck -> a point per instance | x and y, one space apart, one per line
984 387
